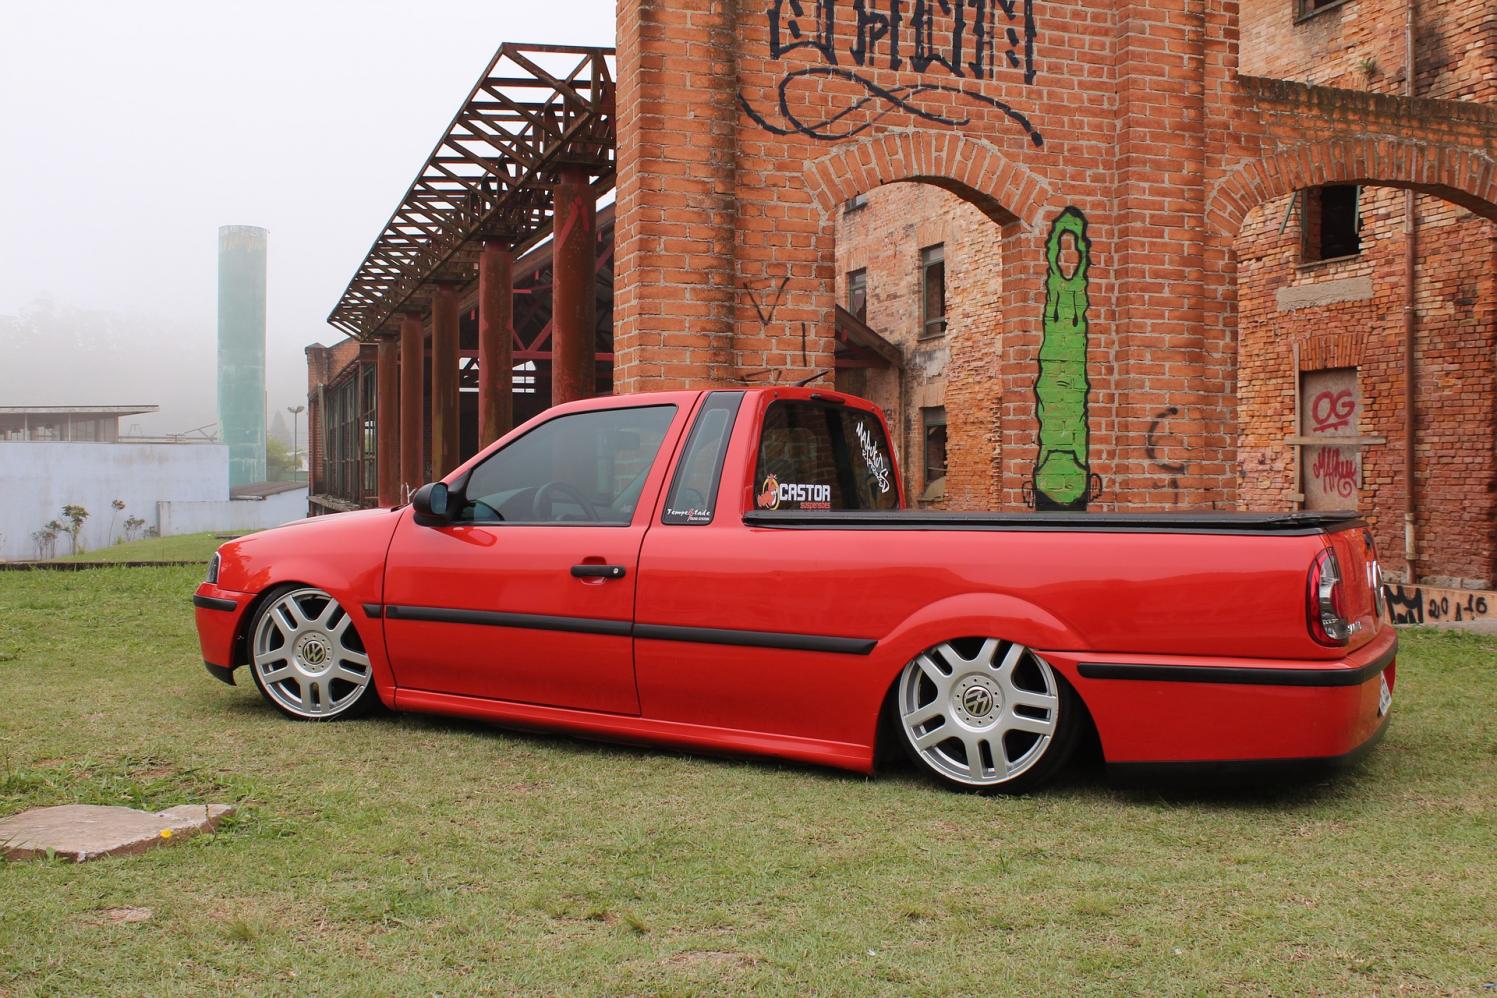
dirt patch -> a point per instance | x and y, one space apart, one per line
119 916
713 958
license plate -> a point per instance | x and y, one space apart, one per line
1384 696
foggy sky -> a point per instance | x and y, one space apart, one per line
129 132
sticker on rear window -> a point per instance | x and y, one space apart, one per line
878 465
775 493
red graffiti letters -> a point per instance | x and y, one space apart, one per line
1332 410
1336 471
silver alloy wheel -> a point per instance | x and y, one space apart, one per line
308 657
979 711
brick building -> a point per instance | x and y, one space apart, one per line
1134 214
1321 291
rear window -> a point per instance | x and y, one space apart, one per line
821 456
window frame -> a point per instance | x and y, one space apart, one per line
639 505
858 277
931 417
1304 10
927 262
1317 193
818 400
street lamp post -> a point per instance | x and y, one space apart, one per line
295 410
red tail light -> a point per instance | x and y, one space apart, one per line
1325 601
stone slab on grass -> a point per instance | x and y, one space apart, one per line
82 832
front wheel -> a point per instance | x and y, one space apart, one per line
306 657
986 715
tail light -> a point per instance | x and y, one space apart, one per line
1325 601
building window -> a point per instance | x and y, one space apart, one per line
933 291
933 427
1309 8
854 203
1330 222
857 294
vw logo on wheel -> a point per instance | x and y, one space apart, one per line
977 701
314 653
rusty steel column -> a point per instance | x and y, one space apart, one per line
574 297
387 420
444 397
412 381
496 311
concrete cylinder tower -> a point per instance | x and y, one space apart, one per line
241 350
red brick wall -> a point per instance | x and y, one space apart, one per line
734 160
1361 45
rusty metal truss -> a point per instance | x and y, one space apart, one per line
536 109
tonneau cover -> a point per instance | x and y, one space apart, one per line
1183 522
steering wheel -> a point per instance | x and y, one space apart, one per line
542 501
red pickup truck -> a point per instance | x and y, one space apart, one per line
735 571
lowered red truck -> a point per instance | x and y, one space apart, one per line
735 571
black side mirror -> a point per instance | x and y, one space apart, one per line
433 504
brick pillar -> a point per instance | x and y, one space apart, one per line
496 313
387 420
412 377
574 297
444 397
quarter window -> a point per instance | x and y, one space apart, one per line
693 493
823 456
587 467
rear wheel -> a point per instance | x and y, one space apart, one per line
307 659
986 715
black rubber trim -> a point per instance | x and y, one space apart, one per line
373 610
1238 676
756 639
1244 770
222 673
1249 524
491 618
623 628
214 603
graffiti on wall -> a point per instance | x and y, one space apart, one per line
1425 605
1330 407
1154 444
1062 471
945 42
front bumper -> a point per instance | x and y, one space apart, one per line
1168 710
219 613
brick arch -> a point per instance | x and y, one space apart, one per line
968 168
1459 175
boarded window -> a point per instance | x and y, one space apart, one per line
1330 408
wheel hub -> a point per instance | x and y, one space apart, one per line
977 700
314 653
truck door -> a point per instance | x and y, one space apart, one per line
529 594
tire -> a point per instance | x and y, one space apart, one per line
307 659
983 715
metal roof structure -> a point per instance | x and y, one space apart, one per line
535 109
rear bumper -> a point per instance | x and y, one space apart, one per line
1223 712
219 613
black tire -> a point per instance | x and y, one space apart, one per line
993 699
306 657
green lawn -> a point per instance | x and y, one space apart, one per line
186 547
412 855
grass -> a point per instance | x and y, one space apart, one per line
186 547
413 855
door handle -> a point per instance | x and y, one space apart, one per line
597 571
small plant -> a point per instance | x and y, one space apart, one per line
152 532
46 540
1369 67
75 515
132 527
117 505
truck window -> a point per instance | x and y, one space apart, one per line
587 467
693 493
821 456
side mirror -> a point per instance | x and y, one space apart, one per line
433 504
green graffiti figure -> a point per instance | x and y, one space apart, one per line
1062 471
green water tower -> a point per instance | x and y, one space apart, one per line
241 350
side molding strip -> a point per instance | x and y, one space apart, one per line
1237 676
624 628
214 603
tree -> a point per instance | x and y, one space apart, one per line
75 515
116 505
278 464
